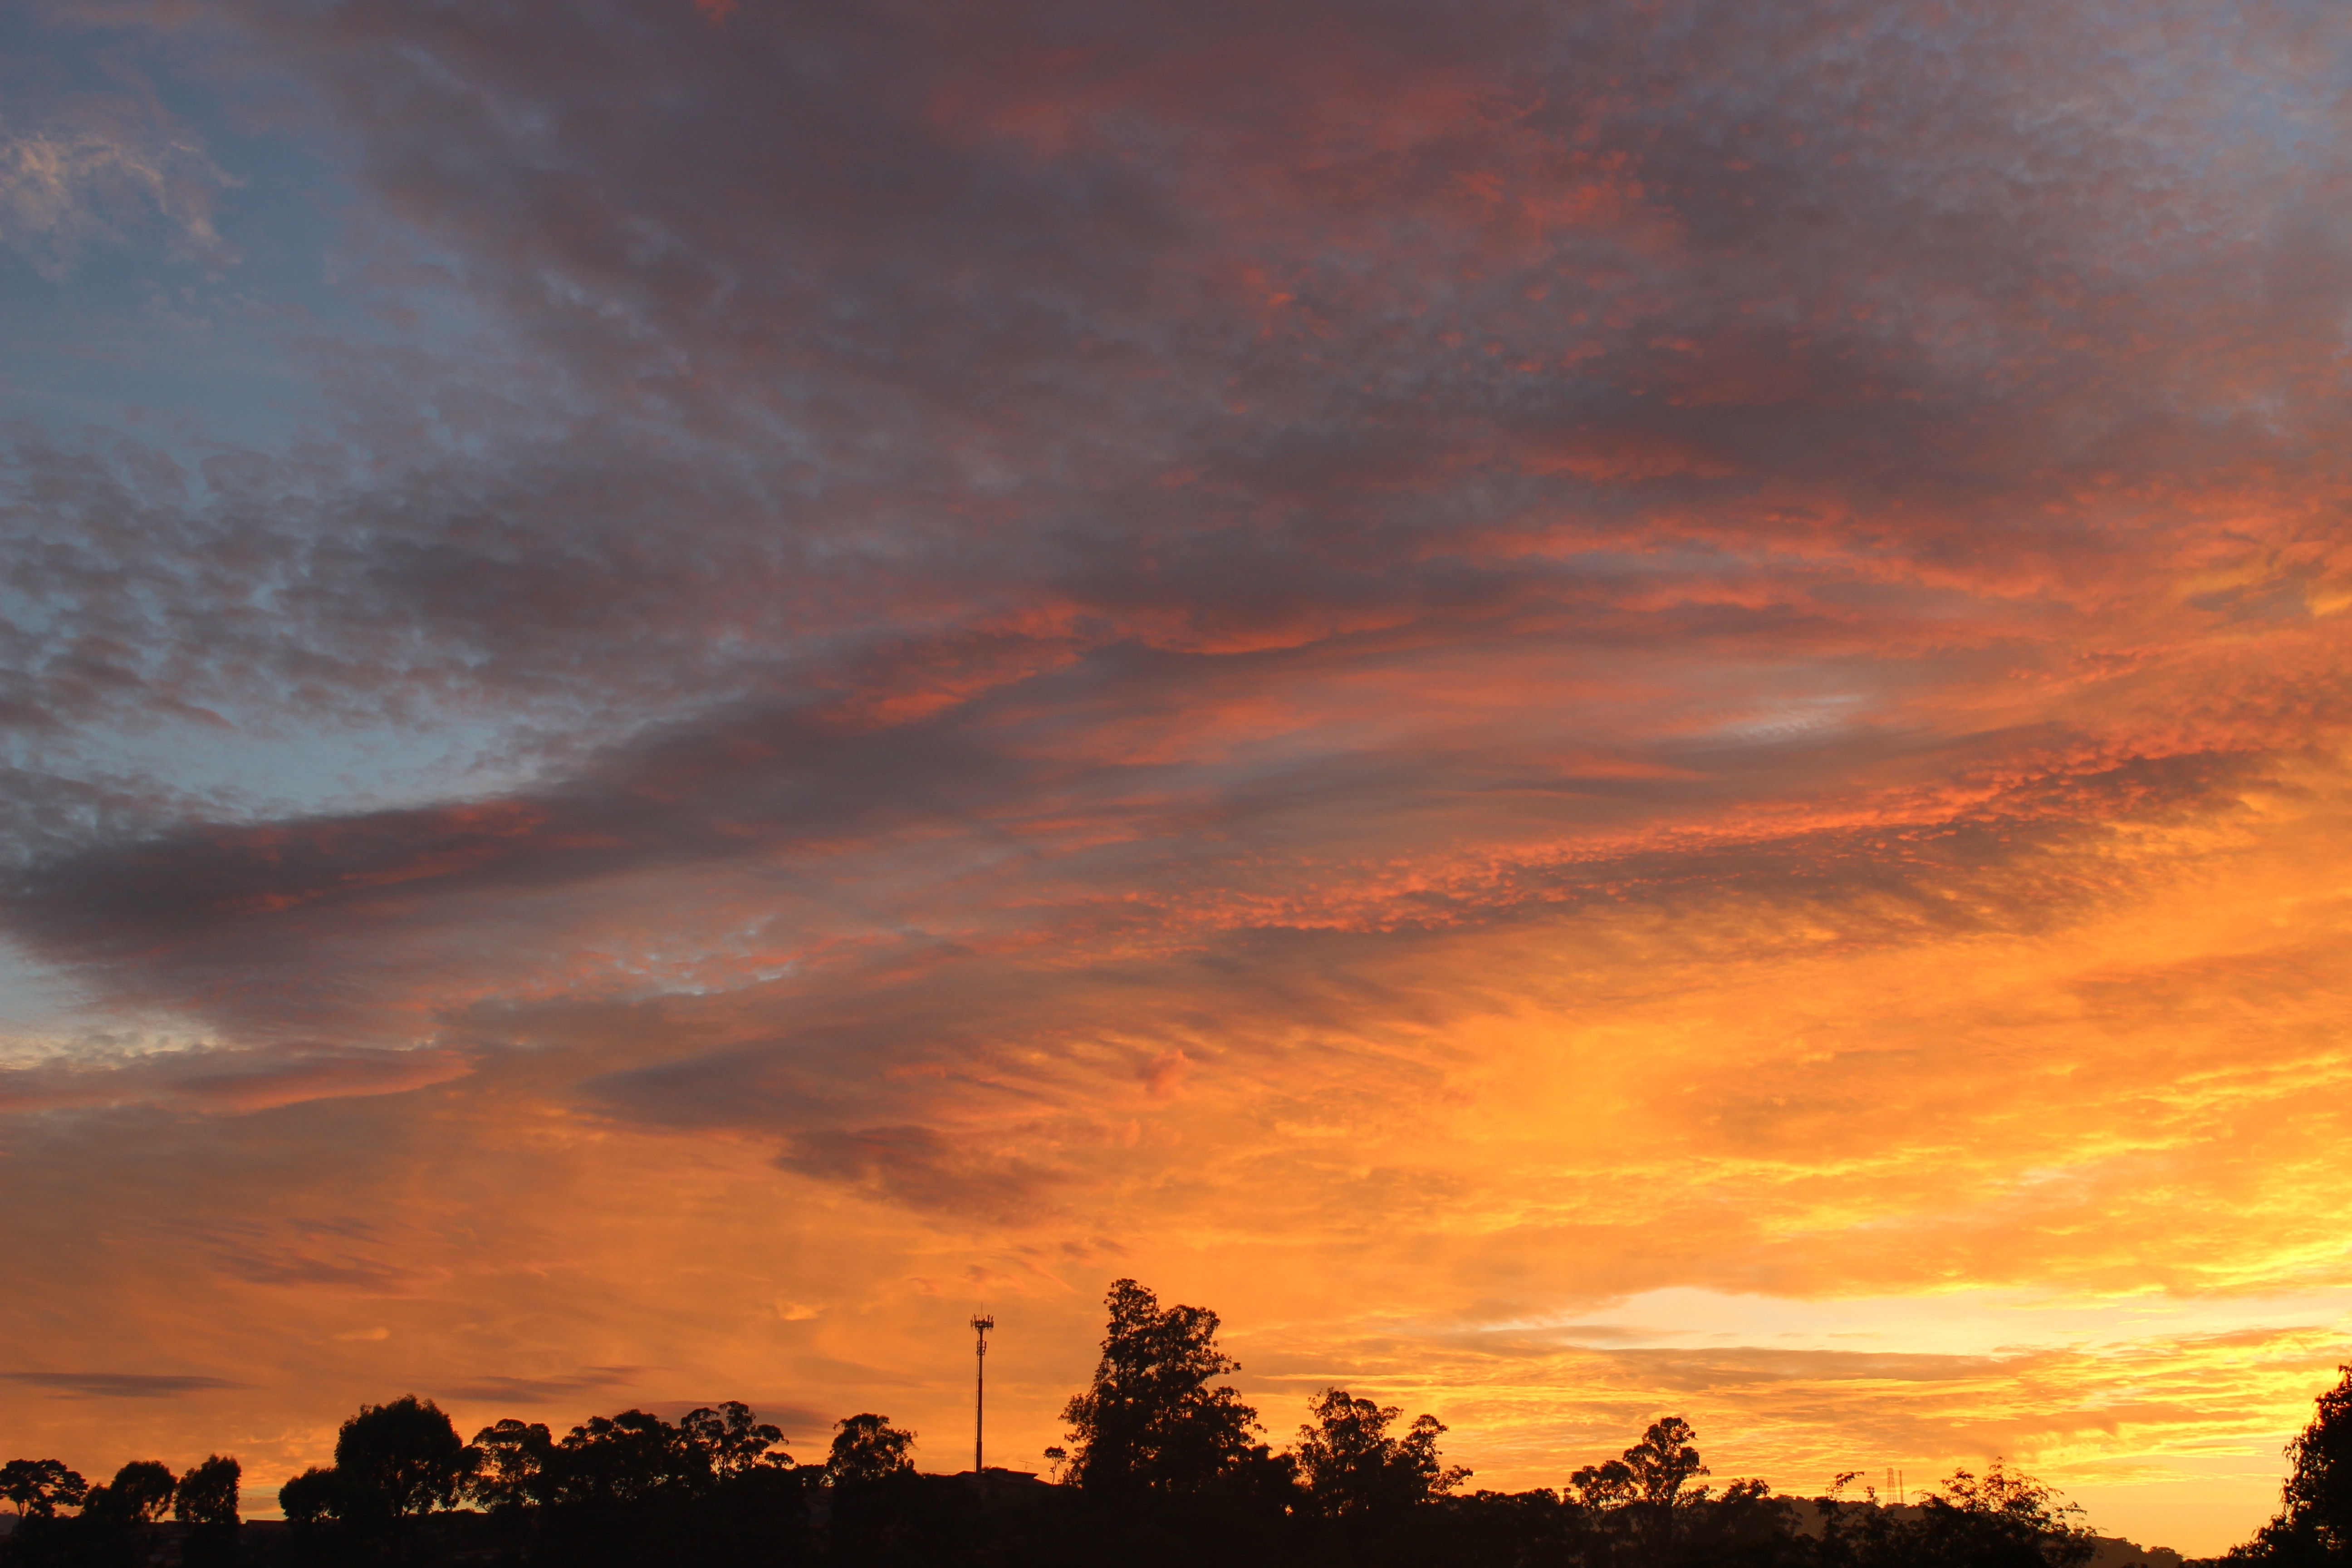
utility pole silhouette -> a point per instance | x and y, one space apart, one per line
980 1326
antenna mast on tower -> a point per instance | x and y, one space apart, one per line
980 1326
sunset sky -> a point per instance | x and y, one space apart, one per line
1590 709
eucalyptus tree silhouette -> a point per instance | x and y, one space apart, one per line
1641 1495
1151 1422
139 1493
205 1501
2314 1524
731 1441
41 1487
866 1449
311 1500
207 1493
1351 1466
2003 1518
394 1463
514 1468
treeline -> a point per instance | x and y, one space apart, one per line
1165 1465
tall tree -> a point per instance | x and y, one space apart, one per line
311 1500
1641 1494
635 1457
515 1469
396 1462
2318 1493
866 1449
142 1491
41 1487
2314 1524
1662 1464
1351 1467
2001 1519
1152 1421
731 1441
206 1503
207 1493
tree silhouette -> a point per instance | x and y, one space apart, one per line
41 1487
140 1494
1151 1422
1661 1464
396 1462
2003 1519
633 1457
207 1493
729 1442
2314 1524
206 1503
1351 1467
1607 1485
866 1449
513 1467
2317 1498
1641 1494
1662 1461
311 1500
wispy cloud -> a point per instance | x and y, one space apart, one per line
118 1385
64 191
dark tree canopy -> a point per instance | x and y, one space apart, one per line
867 1448
515 1467
630 1458
1351 1465
1643 1493
2318 1494
395 1462
731 1441
1996 1520
1650 1477
311 1498
1166 1475
2313 1523
620 1460
1152 1420
207 1493
139 1493
41 1487
1662 1462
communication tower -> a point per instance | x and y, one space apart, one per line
980 1326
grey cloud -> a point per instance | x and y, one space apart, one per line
118 1384
1050 417
541 1390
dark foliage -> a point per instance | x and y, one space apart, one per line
1150 1423
868 1450
1351 1468
1165 1472
2312 1528
139 1493
626 1488
41 1487
207 1493
206 1503
395 1462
